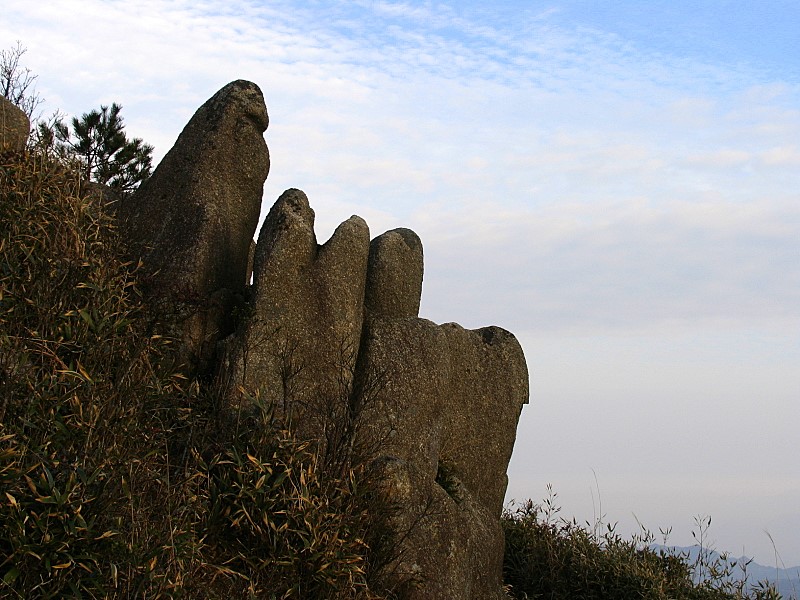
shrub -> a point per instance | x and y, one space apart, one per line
118 476
553 558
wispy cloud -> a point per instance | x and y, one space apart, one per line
627 265
623 169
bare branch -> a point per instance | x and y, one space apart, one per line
17 83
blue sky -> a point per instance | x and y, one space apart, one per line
617 183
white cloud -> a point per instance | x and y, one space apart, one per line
626 264
782 156
724 158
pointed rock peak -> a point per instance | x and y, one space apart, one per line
243 97
410 238
294 201
192 222
286 237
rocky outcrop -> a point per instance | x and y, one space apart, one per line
394 277
331 340
336 327
453 399
14 126
193 220
299 346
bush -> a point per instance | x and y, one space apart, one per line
119 477
553 558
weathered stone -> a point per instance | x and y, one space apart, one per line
394 278
299 347
15 127
193 220
454 397
251 254
330 338
488 387
338 322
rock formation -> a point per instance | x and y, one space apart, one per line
14 126
453 398
300 343
332 336
192 222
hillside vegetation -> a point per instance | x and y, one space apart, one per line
121 478
554 558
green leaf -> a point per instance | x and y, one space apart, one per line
12 574
86 317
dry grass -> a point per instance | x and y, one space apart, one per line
118 476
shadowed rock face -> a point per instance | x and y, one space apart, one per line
334 329
194 219
326 318
14 126
454 397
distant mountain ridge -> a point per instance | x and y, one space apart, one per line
786 580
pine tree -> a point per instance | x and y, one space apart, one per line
107 156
